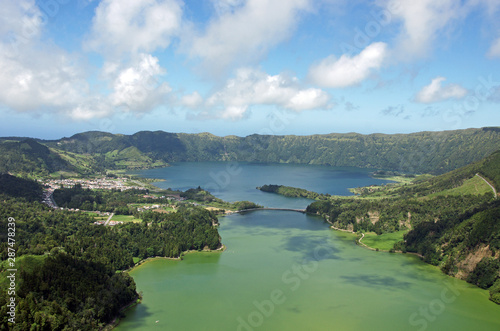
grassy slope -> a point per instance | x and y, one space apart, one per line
474 185
383 242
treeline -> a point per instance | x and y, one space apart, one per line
390 215
293 192
423 152
204 197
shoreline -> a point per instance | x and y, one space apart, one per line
358 241
116 321
152 258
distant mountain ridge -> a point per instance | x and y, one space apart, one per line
422 152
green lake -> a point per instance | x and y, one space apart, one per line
289 271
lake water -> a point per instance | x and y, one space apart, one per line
289 271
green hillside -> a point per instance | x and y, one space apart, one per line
423 152
90 152
30 157
451 220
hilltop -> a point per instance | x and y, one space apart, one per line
94 151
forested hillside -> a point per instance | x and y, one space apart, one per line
423 152
67 266
452 220
30 157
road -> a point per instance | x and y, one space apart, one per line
109 219
492 187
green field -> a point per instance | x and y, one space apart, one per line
474 186
383 242
125 218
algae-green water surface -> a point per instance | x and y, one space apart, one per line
290 271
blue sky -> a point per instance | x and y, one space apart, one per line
238 67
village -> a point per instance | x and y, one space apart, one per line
98 183
121 184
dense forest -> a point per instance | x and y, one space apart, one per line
67 266
119 202
202 196
423 152
449 222
293 192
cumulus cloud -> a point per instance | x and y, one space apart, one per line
122 26
253 87
40 80
38 76
435 92
138 86
346 70
244 33
422 21
35 76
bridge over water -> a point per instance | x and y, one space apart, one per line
265 208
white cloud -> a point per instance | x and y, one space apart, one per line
495 49
96 108
244 33
20 21
122 26
35 76
347 71
253 87
435 92
138 86
40 80
193 100
311 98
422 21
